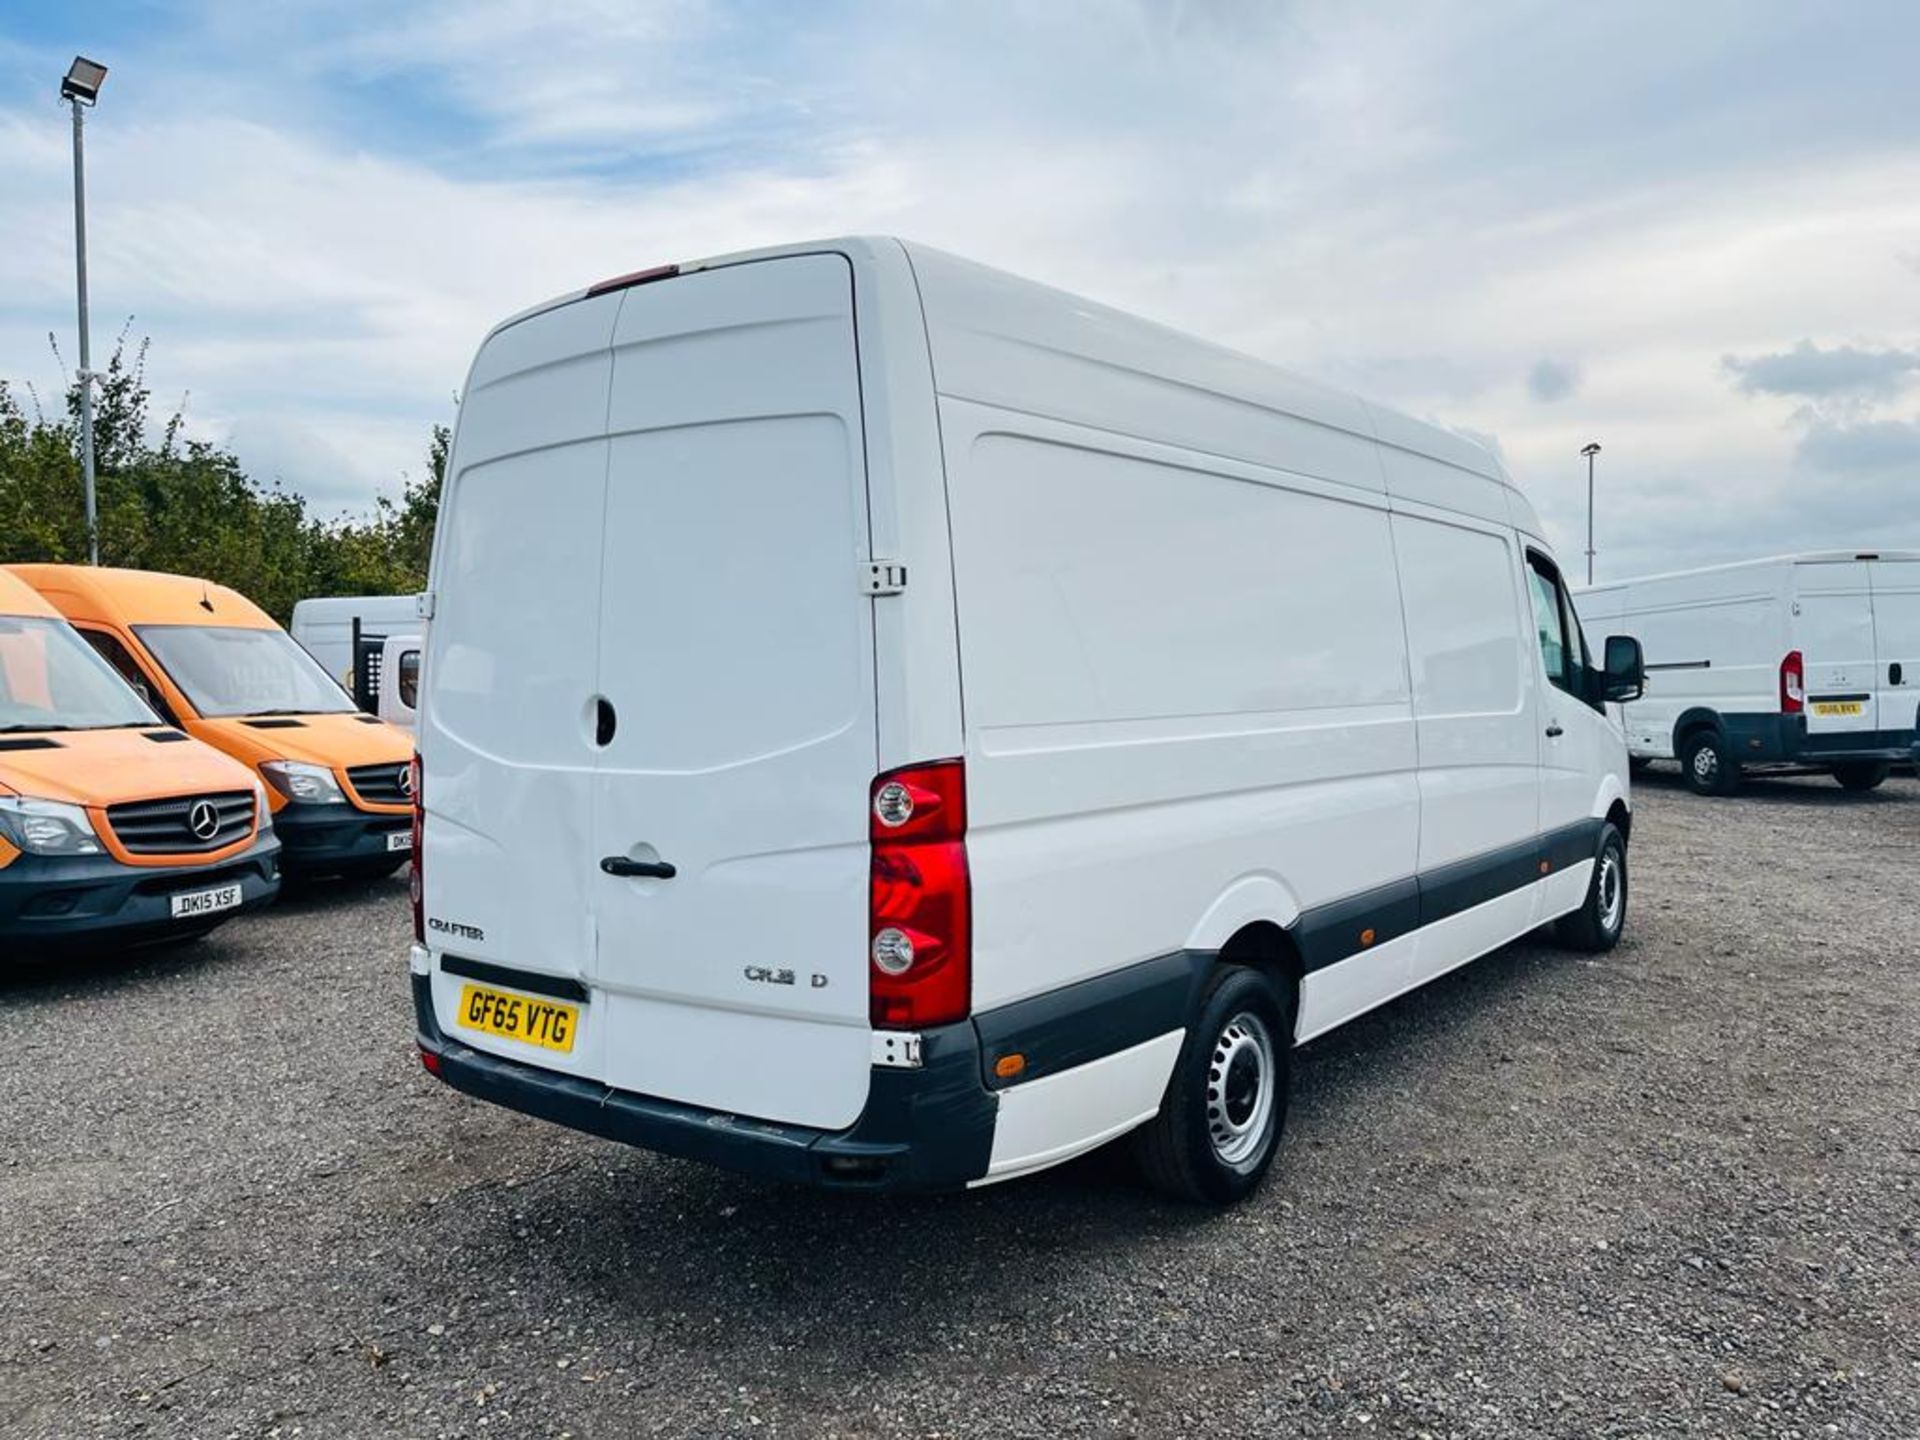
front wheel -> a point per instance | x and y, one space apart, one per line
1226 1103
1861 774
1595 927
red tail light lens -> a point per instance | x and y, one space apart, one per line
919 945
415 887
1793 684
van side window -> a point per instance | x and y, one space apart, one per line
1550 624
1563 646
115 654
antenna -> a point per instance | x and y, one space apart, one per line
206 599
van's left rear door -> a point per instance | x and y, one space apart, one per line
1833 628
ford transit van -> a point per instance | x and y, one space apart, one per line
888 724
114 828
1790 664
215 664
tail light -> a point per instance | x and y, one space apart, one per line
919 920
1793 684
415 885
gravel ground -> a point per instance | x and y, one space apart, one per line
1670 1192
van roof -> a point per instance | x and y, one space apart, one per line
143 597
1804 557
19 598
978 319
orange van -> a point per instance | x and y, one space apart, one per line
114 828
215 664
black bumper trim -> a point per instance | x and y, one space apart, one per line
928 1129
560 987
319 839
55 906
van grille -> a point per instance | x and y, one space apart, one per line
167 827
381 784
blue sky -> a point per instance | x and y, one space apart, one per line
1690 232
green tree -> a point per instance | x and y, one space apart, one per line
188 507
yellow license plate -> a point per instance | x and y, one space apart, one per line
546 1023
1838 707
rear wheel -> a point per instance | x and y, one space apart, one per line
1226 1104
1861 774
1595 927
1707 764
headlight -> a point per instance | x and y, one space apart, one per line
48 827
303 784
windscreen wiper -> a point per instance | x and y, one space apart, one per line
34 729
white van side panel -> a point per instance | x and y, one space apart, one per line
1473 685
1059 1116
1217 690
1711 641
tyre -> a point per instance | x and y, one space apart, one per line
1226 1103
1707 764
1861 774
1595 927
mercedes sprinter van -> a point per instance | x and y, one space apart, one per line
1790 664
889 724
216 665
115 829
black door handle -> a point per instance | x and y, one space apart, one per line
1894 674
648 869
1554 732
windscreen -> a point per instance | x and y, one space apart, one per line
50 679
228 671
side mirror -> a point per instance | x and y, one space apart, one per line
1626 670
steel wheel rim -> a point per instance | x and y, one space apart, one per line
1706 764
1241 1081
1613 893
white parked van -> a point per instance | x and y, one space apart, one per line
888 724
399 680
1797 662
347 634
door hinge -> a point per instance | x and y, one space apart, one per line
883 577
423 604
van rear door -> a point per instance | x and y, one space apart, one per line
1834 634
1896 626
650 650
512 659
736 663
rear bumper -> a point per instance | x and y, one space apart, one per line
928 1129
94 902
1783 740
324 839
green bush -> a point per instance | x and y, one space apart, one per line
187 507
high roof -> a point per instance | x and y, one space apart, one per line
142 597
19 598
1000 339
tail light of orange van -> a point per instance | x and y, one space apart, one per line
416 886
1793 684
919 921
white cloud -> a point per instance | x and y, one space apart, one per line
1418 205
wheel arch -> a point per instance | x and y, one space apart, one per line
1698 718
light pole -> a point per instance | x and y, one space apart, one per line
1590 451
80 89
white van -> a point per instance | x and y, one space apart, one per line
1792 663
891 725
347 635
399 680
